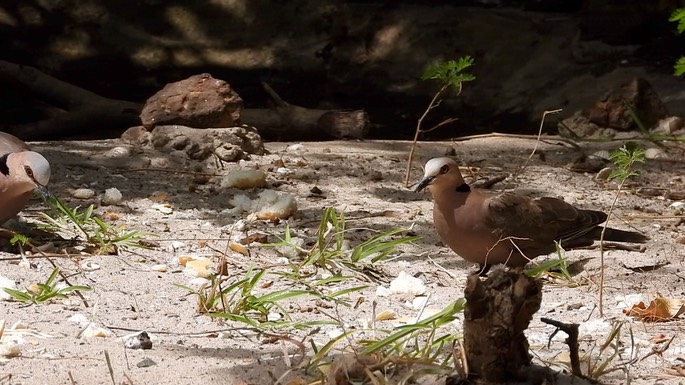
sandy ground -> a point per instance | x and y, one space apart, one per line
362 179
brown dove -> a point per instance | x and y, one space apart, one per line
21 172
488 227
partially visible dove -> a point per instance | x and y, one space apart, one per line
21 172
488 228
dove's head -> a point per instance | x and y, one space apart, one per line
440 173
26 170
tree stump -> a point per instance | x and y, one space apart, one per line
498 311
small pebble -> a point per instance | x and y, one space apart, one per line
159 267
82 193
176 245
654 153
89 266
93 330
604 173
295 147
146 363
670 125
112 196
375 176
118 152
163 208
138 341
9 349
315 190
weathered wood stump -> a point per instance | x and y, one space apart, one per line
498 311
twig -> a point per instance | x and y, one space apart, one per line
109 366
537 143
626 171
542 138
659 350
572 341
431 105
168 170
71 378
490 182
431 261
274 95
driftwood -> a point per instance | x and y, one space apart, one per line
82 111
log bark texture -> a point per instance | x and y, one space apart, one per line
498 311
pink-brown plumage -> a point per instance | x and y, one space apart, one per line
488 227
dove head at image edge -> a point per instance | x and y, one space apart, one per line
26 171
20 174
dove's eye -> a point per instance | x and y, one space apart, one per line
444 169
29 172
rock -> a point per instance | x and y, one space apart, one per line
112 197
604 173
613 109
139 340
654 153
229 144
669 125
82 193
244 179
680 239
138 135
580 125
405 283
200 101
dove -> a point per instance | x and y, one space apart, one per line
21 172
489 228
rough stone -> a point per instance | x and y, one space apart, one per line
613 110
200 101
228 144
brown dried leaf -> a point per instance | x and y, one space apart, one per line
676 370
256 237
661 309
238 248
658 339
159 196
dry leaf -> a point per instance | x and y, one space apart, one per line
661 309
386 315
238 248
159 196
658 339
256 237
676 370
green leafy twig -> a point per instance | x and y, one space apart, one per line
678 16
624 159
450 74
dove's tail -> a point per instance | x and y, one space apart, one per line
616 235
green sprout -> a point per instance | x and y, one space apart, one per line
45 291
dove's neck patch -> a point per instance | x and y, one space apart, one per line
3 165
463 188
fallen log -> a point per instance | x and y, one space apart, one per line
79 112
